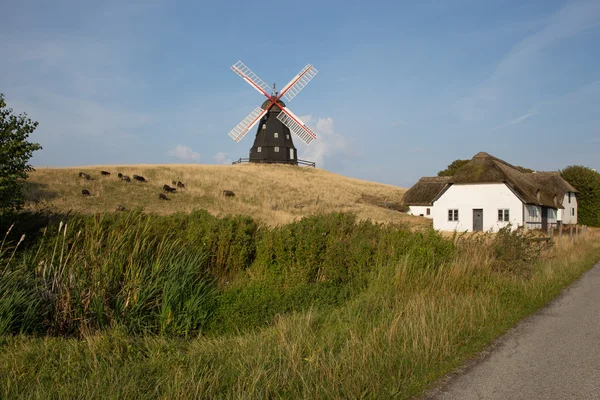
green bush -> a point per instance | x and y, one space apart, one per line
182 274
587 182
516 250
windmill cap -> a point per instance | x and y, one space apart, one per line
268 102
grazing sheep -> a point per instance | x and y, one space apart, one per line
85 176
228 193
104 173
168 189
126 178
162 196
139 178
85 192
180 185
120 176
174 183
120 207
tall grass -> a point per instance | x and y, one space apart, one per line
195 273
377 312
75 282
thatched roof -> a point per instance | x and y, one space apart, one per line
425 191
553 182
540 188
484 168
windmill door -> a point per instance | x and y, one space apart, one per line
544 218
477 220
291 154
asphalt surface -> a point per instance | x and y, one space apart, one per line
554 354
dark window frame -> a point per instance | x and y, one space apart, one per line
453 215
503 215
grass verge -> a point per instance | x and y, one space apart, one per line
409 321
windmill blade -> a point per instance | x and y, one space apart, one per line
247 123
294 87
296 125
250 77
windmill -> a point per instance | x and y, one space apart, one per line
273 142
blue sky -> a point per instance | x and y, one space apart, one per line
403 89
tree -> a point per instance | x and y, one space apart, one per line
587 182
15 152
453 167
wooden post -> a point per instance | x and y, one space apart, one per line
576 230
560 235
571 232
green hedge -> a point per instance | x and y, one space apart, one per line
182 274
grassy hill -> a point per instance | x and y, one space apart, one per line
138 305
275 194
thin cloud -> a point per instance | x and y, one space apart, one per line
328 145
513 73
519 119
222 158
184 153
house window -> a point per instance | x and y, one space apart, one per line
276 149
503 215
533 211
276 135
259 149
452 215
572 211
428 211
569 197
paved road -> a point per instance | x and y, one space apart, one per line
554 354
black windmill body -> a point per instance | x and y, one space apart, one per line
276 123
273 142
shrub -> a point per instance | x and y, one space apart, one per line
515 251
182 274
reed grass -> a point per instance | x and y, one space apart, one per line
420 305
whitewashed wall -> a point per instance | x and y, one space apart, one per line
566 215
420 210
488 196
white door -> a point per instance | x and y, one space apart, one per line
291 154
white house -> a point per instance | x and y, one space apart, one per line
487 194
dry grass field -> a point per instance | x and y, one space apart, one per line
274 194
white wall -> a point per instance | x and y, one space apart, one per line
488 196
566 215
420 210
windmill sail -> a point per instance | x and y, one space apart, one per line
296 125
250 77
298 83
247 123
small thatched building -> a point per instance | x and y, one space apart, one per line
421 195
488 193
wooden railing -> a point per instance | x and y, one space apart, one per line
304 163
